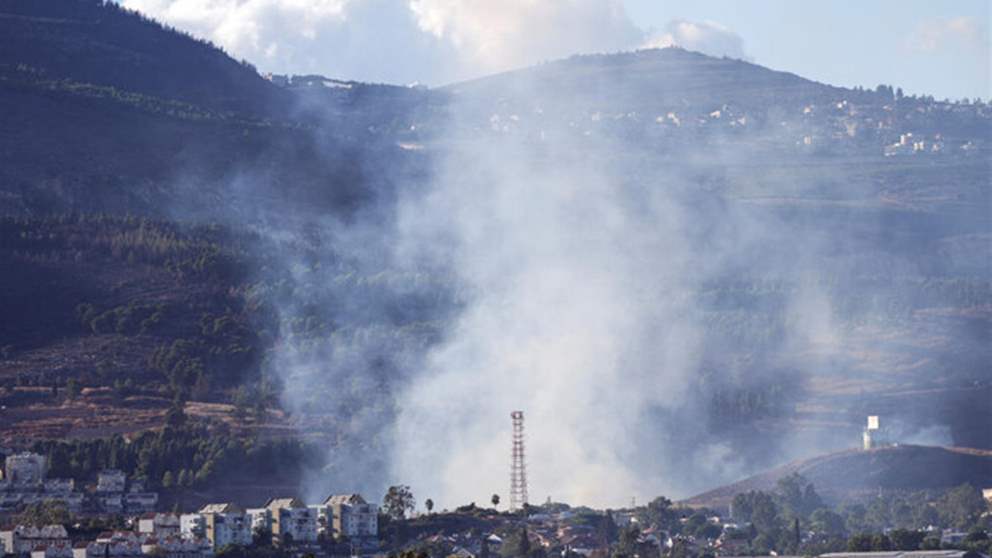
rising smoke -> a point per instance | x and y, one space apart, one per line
583 260
578 314
660 330
659 335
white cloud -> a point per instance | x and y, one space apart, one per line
373 40
432 41
708 37
938 34
497 35
249 26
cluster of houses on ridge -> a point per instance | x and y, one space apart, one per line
567 533
290 522
24 481
909 127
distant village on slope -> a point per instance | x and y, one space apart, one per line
43 517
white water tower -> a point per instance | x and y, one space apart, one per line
870 436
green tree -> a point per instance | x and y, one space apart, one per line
881 543
905 539
521 546
859 543
708 531
827 523
756 507
763 544
607 528
628 541
902 515
962 506
877 517
429 504
495 500
926 515
680 549
72 388
45 513
976 534
201 388
398 501
765 513
798 496
176 415
660 513
854 517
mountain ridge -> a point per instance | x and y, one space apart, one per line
668 63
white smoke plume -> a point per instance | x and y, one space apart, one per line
580 314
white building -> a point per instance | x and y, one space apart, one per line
261 519
111 502
159 525
119 544
292 521
192 525
351 516
226 524
140 502
112 497
110 480
25 539
60 550
175 547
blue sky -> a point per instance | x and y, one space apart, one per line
852 42
938 47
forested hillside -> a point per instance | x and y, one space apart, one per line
98 42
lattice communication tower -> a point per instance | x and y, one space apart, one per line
518 465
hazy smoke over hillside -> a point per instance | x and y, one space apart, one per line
657 332
585 263
578 315
660 306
